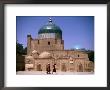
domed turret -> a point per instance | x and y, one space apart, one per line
50 30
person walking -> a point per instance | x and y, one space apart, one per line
54 69
48 69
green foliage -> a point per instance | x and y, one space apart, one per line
20 50
91 55
25 51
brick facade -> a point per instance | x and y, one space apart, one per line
49 48
65 60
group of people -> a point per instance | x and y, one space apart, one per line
49 70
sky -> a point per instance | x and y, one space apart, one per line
77 31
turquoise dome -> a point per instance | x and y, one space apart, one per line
51 28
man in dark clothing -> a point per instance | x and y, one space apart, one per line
48 69
54 69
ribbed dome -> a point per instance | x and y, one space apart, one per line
51 28
45 55
29 57
34 51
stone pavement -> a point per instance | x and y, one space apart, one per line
57 73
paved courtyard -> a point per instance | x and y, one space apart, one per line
57 73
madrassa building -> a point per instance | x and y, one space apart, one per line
48 48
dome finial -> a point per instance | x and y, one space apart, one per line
50 20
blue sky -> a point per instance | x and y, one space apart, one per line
78 31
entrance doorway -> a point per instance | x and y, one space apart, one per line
63 67
80 68
39 67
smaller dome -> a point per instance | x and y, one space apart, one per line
34 51
29 65
29 57
45 55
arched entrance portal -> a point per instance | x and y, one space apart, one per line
63 67
39 67
80 68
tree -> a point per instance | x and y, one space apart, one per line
25 50
20 50
91 55
20 59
